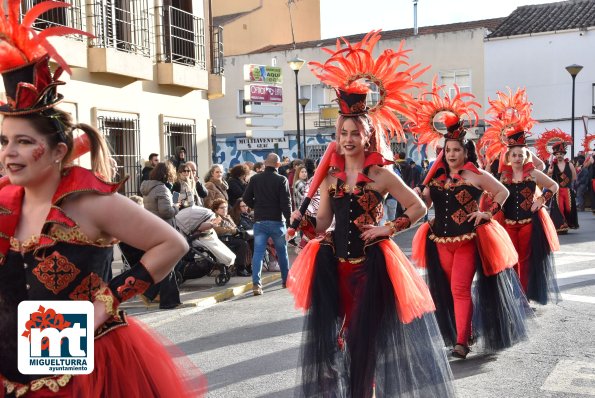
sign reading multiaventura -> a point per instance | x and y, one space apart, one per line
262 73
261 143
55 337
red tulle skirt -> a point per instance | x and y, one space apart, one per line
131 361
495 248
411 293
549 229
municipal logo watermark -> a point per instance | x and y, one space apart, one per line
55 337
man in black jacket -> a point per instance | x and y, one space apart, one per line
268 194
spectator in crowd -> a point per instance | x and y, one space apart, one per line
285 166
237 181
201 190
179 157
299 186
216 185
227 231
186 186
310 167
149 166
157 198
241 215
268 194
415 173
258 167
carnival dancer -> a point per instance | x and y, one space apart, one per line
524 216
462 240
563 206
55 238
369 324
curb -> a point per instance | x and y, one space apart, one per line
211 300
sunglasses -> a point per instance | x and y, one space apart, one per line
186 171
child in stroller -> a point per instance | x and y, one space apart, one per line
207 254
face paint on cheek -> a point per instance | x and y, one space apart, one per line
38 152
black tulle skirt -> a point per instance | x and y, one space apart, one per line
500 309
542 286
381 354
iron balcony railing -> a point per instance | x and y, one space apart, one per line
181 37
327 115
217 65
123 25
68 16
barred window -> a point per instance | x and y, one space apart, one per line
181 135
123 137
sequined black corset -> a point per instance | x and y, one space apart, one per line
518 205
63 271
353 210
453 202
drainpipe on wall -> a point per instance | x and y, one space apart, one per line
415 17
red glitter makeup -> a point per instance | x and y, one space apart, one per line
38 152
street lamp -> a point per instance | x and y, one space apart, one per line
303 103
296 64
573 69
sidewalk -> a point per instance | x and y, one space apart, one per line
203 292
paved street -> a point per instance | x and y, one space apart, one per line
248 346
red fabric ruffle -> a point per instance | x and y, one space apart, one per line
418 246
549 229
131 362
411 293
495 248
299 280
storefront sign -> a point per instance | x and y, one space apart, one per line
262 93
262 73
248 144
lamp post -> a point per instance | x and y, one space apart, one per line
303 103
296 64
573 69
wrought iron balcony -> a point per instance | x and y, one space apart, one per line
217 65
69 16
122 25
181 38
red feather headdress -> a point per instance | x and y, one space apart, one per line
549 139
349 69
589 143
24 59
457 113
511 121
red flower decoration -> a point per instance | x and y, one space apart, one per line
43 319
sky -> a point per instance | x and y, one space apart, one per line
346 17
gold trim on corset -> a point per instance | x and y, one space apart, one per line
513 222
53 383
452 239
356 260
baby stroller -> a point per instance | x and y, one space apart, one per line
207 255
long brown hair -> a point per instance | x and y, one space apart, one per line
58 126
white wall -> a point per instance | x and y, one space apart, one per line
538 63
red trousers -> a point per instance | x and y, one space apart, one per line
520 234
349 284
458 262
564 202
